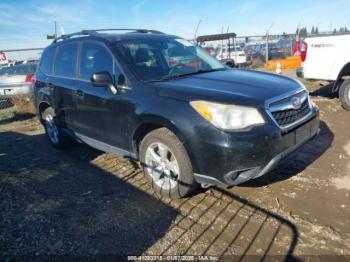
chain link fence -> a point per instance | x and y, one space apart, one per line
250 50
6 103
267 47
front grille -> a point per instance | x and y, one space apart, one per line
289 116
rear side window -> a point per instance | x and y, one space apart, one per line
47 60
66 60
94 58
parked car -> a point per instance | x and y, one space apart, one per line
17 80
328 58
234 54
206 124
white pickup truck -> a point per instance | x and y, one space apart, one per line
234 54
328 58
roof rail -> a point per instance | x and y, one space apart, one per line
138 30
95 32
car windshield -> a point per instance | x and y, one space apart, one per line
164 59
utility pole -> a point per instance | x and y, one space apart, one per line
53 36
229 43
222 40
195 32
267 43
55 29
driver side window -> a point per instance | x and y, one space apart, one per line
94 58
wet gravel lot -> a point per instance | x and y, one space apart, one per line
83 203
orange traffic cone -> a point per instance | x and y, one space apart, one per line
278 68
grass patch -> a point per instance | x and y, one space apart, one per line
6 115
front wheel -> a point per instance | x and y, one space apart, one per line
166 164
344 94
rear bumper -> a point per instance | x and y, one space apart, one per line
16 91
255 157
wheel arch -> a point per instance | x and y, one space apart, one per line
345 71
149 124
41 108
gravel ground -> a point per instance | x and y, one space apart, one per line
83 203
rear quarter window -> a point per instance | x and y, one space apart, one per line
47 60
66 58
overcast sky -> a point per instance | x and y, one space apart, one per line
25 23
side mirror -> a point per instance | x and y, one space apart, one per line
101 79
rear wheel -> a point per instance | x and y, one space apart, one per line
344 94
166 164
230 63
54 132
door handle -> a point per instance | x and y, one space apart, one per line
79 93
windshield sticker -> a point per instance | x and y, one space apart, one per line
184 42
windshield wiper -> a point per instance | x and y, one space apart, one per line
170 77
163 78
201 71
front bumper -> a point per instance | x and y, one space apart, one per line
239 160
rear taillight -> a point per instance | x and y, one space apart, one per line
303 51
28 79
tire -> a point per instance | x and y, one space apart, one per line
54 132
170 173
344 94
230 63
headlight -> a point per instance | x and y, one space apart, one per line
228 117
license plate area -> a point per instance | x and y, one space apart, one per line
303 133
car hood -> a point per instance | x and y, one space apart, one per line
229 86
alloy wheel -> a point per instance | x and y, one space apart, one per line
162 165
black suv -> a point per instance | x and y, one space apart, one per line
161 100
